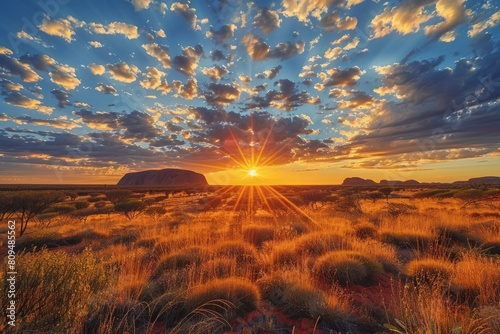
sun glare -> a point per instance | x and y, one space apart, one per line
252 172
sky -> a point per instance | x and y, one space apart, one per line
298 92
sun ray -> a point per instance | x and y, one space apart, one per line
264 144
238 199
291 204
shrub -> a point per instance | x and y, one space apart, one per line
118 195
429 269
318 243
81 205
130 209
347 267
408 239
284 253
241 251
54 290
180 259
219 268
257 235
365 230
155 212
299 299
116 316
242 294
397 209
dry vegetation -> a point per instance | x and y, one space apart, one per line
326 260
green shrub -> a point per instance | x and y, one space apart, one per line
54 290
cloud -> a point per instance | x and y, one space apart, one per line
341 40
479 27
442 113
100 120
9 86
189 14
123 72
14 67
19 100
159 52
161 33
336 77
224 34
60 74
63 28
115 28
188 61
287 97
221 94
453 13
64 76
24 35
267 20
154 79
269 74
97 69
215 73
360 100
188 91
106 89
62 97
54 123
217 55
352 44
95 44
257 49
141 4
303 9
333 53
333 23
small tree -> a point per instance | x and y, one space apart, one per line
118 195
130 209
26 205
386 192
155 212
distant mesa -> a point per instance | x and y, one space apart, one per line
481 180
169 177
358 182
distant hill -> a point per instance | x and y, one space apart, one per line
360 182
169 177
481 180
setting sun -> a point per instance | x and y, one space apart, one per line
252 172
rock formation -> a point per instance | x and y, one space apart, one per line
169 177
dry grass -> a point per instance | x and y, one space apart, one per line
347 267
429 269
192 273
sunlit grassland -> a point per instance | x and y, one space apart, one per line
407 265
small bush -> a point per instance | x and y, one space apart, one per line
429 270
318 243
241 251
299 299
180 259
55 290
242 294
257 235
408 239
365 230
347 268
218 268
